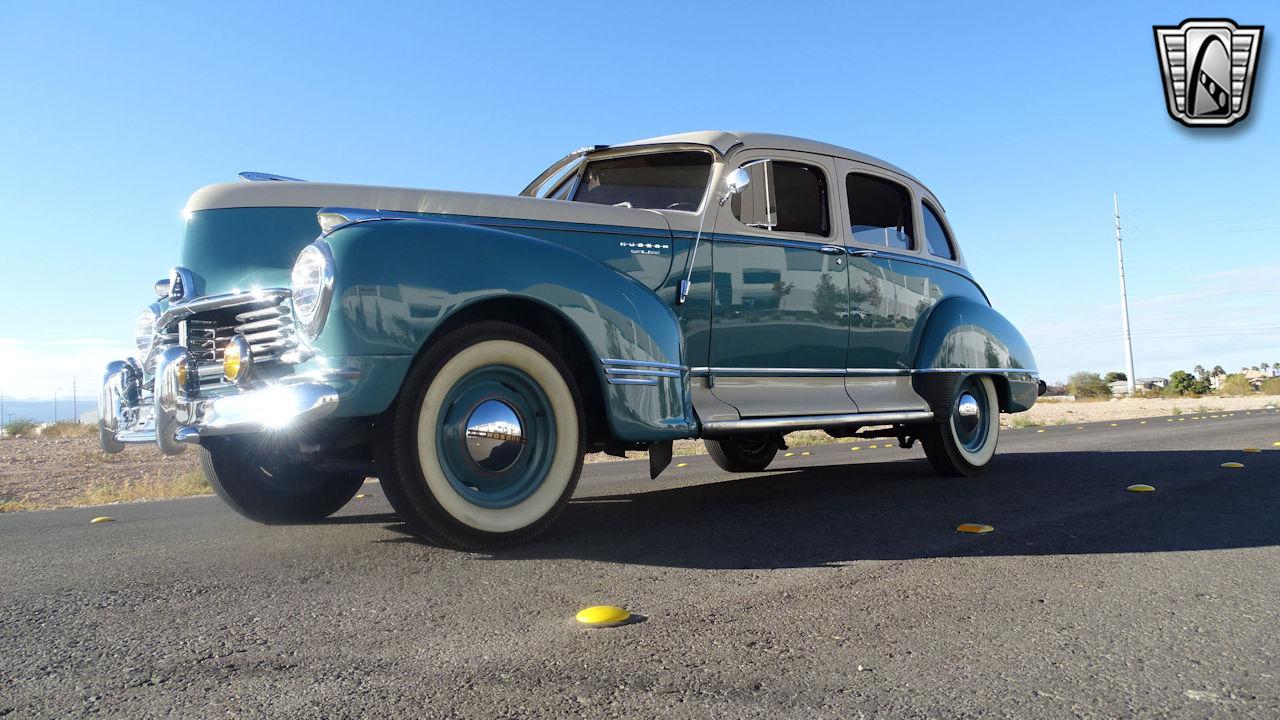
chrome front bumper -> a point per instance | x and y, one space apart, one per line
178 413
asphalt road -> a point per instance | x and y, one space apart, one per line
832 586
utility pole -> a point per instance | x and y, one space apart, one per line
1124 301
75 416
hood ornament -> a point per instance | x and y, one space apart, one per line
251 176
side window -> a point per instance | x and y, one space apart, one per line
880 212
784 196
936 236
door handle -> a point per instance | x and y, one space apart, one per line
863 253
831 249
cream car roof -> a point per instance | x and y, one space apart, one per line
724 140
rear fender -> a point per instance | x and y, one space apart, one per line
964 337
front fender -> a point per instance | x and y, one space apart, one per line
963 335
397 281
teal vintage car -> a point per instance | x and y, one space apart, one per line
469 349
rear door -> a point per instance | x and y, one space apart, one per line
885 295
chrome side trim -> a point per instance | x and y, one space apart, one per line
614 380
810 422
642 363
639 371
834 372
975 370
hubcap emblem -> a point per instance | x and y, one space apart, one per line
495 436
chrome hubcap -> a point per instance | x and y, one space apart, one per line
969 410
495 436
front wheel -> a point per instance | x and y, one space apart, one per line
963 443
486 440
265 484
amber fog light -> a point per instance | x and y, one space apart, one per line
237 360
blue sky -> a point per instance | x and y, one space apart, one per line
1022 119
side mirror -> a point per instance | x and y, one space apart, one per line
737 181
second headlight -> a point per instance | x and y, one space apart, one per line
312 286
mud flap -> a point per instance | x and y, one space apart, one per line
659 458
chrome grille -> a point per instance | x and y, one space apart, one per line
266 322
269 330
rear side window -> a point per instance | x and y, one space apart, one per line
784 196
935 235
880 212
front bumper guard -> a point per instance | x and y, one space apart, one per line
178 414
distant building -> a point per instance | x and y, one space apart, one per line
1153 383
1119 387
89 417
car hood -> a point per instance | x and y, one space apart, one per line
371 197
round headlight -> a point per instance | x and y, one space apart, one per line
144 330
312 283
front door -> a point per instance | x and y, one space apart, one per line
780 315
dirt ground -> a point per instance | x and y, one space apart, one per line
1050 412
42 472
38 472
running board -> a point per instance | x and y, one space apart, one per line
716 428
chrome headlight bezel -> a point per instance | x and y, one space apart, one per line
311 287
144 329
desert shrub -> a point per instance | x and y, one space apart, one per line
20 426
1182 382
1087 384
1271 386
1235 384
69 429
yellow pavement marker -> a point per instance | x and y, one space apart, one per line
806 452
603 616
1140 487
102 519
680 465
1142 422
360 496
787 454
873 447
976 528
1115 424
1276 444
1040 430
1232 465
855 448
1079 427
1253 450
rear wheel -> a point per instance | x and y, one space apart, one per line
485 443
965 441
266 484
748 453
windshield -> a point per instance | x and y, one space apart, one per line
656 181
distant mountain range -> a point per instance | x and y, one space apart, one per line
43 410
